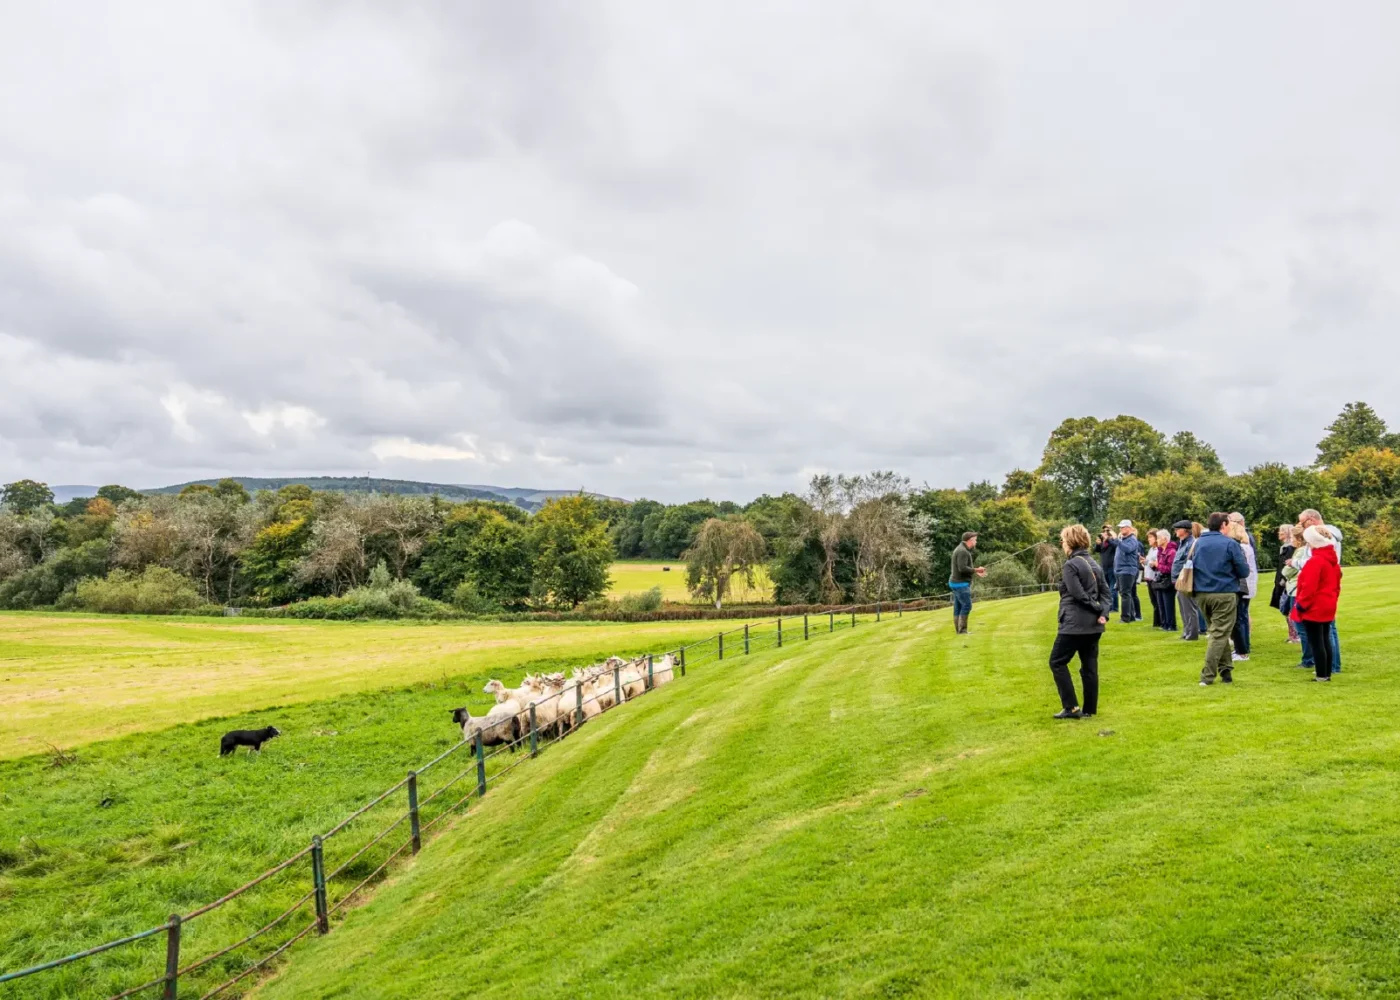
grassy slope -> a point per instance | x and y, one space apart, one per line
182 826
893 812
69 679
630 577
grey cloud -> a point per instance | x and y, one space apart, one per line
665 250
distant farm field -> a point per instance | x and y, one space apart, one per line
69 679
634 577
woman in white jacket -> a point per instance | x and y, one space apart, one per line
1248 588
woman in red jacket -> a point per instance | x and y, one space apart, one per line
1315 602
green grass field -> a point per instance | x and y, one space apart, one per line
629 577
70 679
892 812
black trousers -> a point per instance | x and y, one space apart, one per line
1128 597
1320 641
1064 650
1240 635
1164 600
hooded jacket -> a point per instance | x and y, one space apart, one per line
1125 560
1319 581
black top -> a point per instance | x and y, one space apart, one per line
1084 595
1285 553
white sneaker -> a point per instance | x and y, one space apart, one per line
1237 657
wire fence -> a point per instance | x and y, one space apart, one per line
329 890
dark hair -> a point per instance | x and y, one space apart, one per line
1216 521
969 534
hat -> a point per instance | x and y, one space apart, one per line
1125 523
1183 525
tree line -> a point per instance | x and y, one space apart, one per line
844 538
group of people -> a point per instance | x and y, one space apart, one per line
1200 578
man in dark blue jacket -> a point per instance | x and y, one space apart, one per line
1217 569
1127 561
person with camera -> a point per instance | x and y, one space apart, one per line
1106 548
1127 564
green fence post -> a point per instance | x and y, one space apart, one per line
721 645
877 611
318 884
780 633
651 681
413 830
901 610
578 702
853 619
682 661
805 633
172 957
534 733
831 621
480 766
746 638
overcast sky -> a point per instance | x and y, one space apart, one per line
681 250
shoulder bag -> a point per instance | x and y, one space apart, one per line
1186 581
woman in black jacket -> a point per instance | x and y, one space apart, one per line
1084 608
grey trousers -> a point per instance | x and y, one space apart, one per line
1190 620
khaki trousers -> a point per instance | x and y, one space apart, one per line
1219 610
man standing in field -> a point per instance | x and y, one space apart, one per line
1311 519
1217 568
960 580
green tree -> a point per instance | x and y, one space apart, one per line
572 552
668 533
627 529
979 492
1018 483
1185 450
484 544
232 489
270 562
945 514
723 547
1086 457
1357 426
1161 500
118 495
25 496
1006 526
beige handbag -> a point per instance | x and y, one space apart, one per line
1186 582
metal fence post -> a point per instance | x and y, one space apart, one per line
721 645
780 633
534 733
318 884
682 661
578 702
853 619
617 686
746 638
831 621
651 680
415 833
877 611
806 634
901 610
172 957
480 766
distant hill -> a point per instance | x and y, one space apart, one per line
526 499
63 494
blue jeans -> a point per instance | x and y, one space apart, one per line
962 601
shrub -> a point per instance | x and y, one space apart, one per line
467 598
1002 573
156 590
647 600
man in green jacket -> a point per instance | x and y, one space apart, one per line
960 580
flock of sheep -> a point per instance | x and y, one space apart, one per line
558 700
